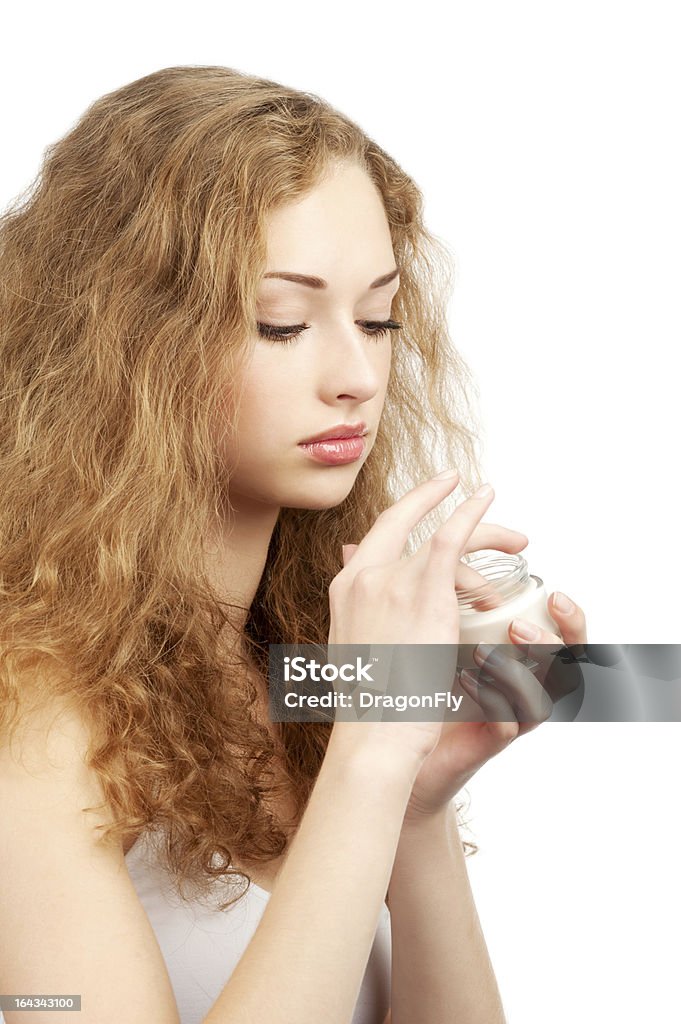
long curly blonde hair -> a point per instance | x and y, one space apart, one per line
128 278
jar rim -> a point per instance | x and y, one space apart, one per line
505 575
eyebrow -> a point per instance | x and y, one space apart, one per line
319 282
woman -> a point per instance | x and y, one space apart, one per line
163 361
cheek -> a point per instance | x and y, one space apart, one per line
386 366
269 393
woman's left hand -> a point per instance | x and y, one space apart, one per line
464 747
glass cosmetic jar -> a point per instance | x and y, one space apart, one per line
509 592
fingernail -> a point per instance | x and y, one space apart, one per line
483 491
446 474
524 629
467 679
483 652
562 603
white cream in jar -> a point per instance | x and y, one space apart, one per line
509 592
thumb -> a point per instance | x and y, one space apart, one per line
348 552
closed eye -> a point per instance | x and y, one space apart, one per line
285 335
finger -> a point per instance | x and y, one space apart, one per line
486 536
386 539
518 683
442 551
480 591
547 653
498 538
571 620
541 645
499 715
526 633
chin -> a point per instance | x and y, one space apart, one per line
320 496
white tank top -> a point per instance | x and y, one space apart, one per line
201 946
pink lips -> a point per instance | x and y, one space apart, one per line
337 445
335 451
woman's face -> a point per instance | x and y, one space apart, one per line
332 372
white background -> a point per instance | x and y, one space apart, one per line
545 139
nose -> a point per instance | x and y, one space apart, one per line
352 364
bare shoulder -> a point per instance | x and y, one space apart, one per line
49 739
66 898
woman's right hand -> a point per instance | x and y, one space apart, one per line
381 597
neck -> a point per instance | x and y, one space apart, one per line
235 556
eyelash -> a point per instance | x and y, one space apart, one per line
377 328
